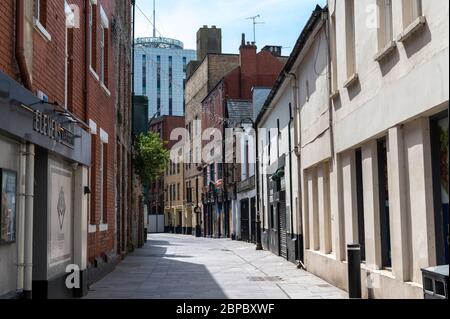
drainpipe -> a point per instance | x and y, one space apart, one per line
20 219
297 150
87 61
20 48
29 199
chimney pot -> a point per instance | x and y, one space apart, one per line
243 39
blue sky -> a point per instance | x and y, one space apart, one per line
180 19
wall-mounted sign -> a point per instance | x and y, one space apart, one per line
60 190
8 182
48 126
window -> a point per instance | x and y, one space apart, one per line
384 204
158 85
385 30
104 47
212 173
8 193
144 74
93 34
170 85
40 12
68 54
412 9
350 37
360 203
93 182
101 173
178 191
334 82
184 65
219 171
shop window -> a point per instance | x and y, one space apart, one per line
440 164
8 183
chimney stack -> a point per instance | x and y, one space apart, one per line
209 40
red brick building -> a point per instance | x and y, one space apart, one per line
76 56
256 69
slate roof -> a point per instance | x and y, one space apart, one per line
239 110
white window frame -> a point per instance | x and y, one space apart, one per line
103 142
350 38
37 21
104 27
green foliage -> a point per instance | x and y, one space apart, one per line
151 158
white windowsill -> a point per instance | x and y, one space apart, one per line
410 30
94 74
385 51
103 227
42 31
92 229
351 81
105 89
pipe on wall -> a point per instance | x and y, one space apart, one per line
21 218
20 45
297 150
29 199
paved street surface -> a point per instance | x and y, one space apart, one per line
185 267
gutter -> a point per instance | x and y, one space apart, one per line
20 49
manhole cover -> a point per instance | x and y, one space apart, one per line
266 279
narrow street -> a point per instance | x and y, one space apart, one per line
185 267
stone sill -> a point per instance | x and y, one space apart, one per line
410 30
92 229
351 81
94 74
108 93
103 227
334 95
41 30
385 52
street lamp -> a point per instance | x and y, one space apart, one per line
258 213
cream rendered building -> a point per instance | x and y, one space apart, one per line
176 218
371 120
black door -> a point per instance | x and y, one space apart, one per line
282 228
244 220
253 220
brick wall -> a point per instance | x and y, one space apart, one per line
7 29
48 76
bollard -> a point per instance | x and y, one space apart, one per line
354 271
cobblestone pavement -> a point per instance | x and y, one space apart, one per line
185 267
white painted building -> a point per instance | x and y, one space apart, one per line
372 132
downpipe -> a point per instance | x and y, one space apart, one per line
21 219
29 199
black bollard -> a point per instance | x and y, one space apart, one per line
354 271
